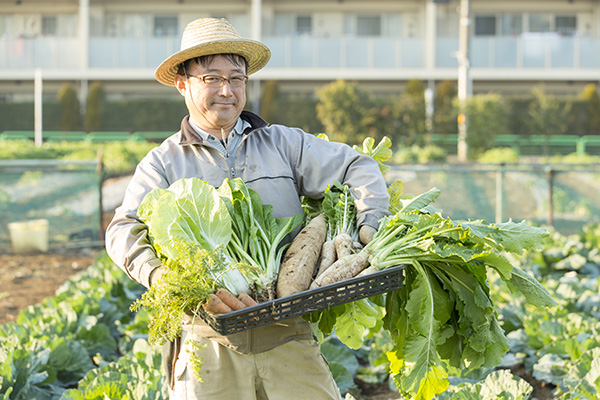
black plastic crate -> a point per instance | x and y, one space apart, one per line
305 302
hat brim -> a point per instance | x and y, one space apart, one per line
256 54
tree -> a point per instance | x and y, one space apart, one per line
341 109
94 108
70 116
487 116
412 111
269 101
444 111
590 95
546 116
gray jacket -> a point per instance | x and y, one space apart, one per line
279 163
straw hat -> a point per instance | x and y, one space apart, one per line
206 36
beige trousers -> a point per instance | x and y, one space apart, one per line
295 370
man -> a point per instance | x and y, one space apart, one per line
219 140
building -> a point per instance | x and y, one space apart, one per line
514 45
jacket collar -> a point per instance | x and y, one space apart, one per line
190 136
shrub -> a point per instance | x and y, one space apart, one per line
94 108
416 154
546 114
487 116
70 116
499 155
590 96
444 112
412 111
341 110
269 101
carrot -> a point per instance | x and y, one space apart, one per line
347 270
300 260
343 245
215 305
247 300
328 256
233 302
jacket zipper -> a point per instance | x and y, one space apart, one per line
232 170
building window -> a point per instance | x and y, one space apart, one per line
485 25
540 23
303 24
511 24
566 25
165 26
49 25
368 25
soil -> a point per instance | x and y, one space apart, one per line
28 279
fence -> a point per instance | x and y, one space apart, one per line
532 145
535 145
75 136
66 194
563 196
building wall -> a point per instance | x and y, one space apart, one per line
380 43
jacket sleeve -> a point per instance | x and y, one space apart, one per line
319 163
127 241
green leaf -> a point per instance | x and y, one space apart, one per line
425 375
513 237
381 153
419 202
533 290
498 385
395 190
350 325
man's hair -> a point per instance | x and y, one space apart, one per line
205 62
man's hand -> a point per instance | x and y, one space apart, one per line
366 233
156 275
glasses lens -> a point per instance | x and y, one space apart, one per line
213 80
238 81
217 80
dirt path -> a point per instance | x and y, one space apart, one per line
28 279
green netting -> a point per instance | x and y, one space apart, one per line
563 196
66 194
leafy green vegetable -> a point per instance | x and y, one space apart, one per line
256 235
443 316
187 217
338 206
380 153
209 239
498 385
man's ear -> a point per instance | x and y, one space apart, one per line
181 84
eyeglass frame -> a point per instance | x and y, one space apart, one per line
221 78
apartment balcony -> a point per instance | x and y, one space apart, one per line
498 58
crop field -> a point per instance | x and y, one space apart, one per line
85 343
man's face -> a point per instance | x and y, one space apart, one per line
213 107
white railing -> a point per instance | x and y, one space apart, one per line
546 52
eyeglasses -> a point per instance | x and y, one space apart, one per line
215 81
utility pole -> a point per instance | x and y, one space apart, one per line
465 85
256 34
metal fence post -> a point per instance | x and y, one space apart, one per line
500 192
100 172
550 196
